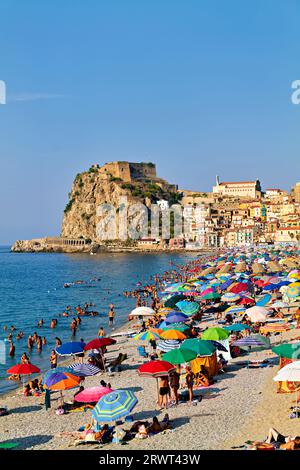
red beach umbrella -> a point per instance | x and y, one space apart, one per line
23 369
156 369
99 343
246 301
239 287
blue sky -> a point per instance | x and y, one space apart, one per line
198 87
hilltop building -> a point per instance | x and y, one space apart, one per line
241 189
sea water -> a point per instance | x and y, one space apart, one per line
32 287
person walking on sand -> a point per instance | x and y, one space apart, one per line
111 314
190 382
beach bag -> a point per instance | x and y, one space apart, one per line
60 411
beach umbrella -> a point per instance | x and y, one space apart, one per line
230 297
211 296
142 311
23 369
70 349
179 356
156 369
289 373
146 336
114 406
217 344
173 334
249 342
56 370
237 327
188 308
176 326
200 347
235 309
239 287
246 301
257 314
172 301
264 300
168 344
84 370
62 381
176 317
288 350
93 394
293 292
215 333
99 343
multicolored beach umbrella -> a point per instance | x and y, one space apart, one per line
146 336
249 342
114 405
56 371
62 381
230 297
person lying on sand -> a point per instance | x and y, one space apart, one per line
279 441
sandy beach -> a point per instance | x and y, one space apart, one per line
241 405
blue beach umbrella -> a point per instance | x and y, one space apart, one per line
237 327
188 308
176 317
70 349
264 300
114 405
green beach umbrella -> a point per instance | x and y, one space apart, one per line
288 350
215 334
200 347
179 356
211 296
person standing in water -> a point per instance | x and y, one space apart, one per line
111 314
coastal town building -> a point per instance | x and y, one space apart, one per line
242 189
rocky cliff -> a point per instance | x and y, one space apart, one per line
93 188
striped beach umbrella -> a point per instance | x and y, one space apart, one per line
249 342
84 370
230 297
146 336
168 344
113 406
235 309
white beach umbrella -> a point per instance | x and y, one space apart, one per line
257 314
142 311
289 373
